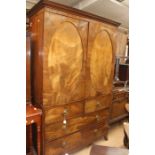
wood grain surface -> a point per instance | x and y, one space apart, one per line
98 103
56 114
65 49
76 141
65 61
75 124
101 61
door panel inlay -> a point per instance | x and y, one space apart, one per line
101 61
65 60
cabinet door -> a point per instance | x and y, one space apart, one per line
65 41
100 60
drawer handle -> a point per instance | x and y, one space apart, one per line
65 122
65 112
64 144
64 126
95 130
98 104
97 118
31 24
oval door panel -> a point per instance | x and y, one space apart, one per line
101 61
65 60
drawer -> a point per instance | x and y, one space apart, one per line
65 145
98 103
57 114
95 133
119 96
76 141
58 130
121 100
118 109
127 95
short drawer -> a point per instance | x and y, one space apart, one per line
66 127
98 103
57 114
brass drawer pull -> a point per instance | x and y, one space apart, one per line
98 104
64 126
64 144
65 112
95 130
64 121
97 118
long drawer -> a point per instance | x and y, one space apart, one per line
98 103
76 141
57 114
66 127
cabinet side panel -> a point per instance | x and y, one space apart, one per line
36 28
28 68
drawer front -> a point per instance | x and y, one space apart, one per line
98 103
127 96
94 133
118 109
64 145
66 127
57 114
119 96
76 141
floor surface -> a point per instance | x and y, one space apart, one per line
115 139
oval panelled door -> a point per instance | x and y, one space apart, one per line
65 60
101 62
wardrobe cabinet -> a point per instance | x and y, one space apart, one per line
72 70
